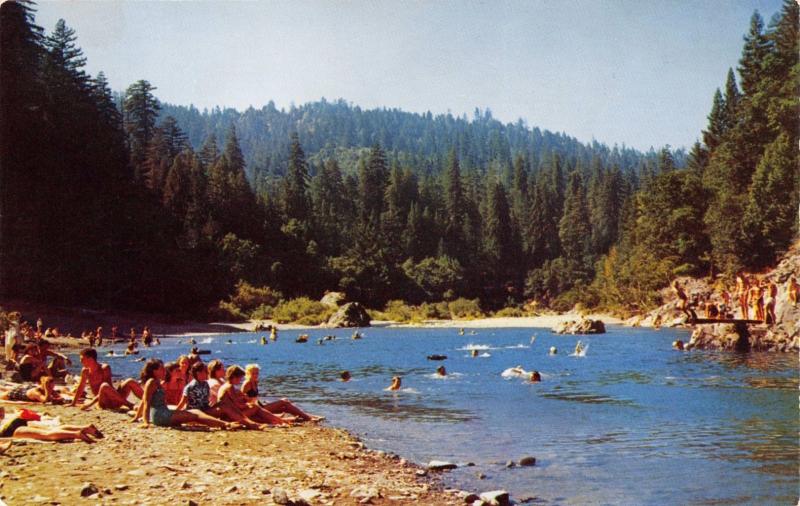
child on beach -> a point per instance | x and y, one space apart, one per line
231 396
44 392
173 384
280 406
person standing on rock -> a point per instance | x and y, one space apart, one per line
792 289
770 296
683 301
757 300
742 294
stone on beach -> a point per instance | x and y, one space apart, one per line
496 498
527 461
441 465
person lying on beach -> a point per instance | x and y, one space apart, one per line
232 397
195 398
153 408
280 406
173 384
17 425
98 377
44 392
396 384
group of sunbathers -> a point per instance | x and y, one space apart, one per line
186 391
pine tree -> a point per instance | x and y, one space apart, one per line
574 229
209 152
295 197
498 243
756 49
454 209
716 122
732 98
372 185
140 113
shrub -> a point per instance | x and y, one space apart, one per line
227 311
248 298
510 312
399 311
433 311
303 311
262 312
465 308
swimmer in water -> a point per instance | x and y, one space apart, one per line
579 348
396 383
441 371
344 376
264 340
535 377
533 338
273 335
553 350
474 353
460 332
678 345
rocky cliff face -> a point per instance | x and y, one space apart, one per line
784 336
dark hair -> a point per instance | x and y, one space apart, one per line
234 371
197 367
213 366
89 353
171 367
149 368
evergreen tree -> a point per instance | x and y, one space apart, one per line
295 198
574 229
140 113
209 152
717 124
372 185
756 49
454 208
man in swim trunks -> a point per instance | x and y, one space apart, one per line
98 376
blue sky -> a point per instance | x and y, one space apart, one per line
640 73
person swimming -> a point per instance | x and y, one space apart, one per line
678 345
344 376
553 350
474 353
264 340
396 384
441 371
535 377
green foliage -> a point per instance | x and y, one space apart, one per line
302 311
435 276
249 298
462 308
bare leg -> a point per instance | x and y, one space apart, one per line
59 434
285 406
231 414
109 398
130 386
180 417
260 414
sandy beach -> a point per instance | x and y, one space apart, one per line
133 465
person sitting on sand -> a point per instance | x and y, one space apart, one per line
29 365
98 377
17 425
173 384
216 378
792 290
195 398
44 392
683 301
153 408
280 406
535 377
344 376
396 384
441 371
232 397
742 295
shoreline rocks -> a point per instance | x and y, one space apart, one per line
582 326
351 314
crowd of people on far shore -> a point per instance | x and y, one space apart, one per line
754 298
186 391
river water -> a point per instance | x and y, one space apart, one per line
631 422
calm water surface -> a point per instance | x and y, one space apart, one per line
632 422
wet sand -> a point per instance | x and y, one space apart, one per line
133 465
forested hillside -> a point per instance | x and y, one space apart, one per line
124 201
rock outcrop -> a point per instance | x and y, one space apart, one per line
351 314
582 326
333 299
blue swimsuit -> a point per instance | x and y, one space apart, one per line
160 414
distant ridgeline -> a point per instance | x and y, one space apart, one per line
126 202
344 132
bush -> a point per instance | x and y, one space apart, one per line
399 311
262 312
248 298
507 312
227 311
465 308
303 311
433 311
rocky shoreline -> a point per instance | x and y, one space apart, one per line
300 465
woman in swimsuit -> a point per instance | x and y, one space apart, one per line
173 384
232 396
153 408
16 426
44 392
280 406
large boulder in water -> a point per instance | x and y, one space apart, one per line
351 314
582 326
333 299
